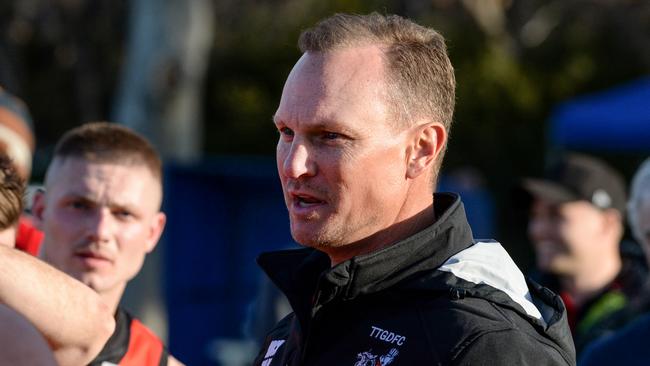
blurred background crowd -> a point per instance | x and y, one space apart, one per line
202 78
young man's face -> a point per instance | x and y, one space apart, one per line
99 220
341 162
565 236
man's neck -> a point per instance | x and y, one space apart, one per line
112 297
587 284
384 238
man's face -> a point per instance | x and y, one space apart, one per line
341 162
99 220
565 236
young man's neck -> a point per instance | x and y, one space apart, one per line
112 297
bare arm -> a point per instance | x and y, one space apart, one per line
71 317
21 342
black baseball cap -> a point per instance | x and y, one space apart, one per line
576 177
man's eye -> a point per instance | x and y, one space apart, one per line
79 205
122 214
331 135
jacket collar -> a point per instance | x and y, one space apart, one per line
306 274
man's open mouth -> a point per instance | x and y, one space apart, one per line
307 201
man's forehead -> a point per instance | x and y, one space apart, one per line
82 167
73 176
326 87
359 64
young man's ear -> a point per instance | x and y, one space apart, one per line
38 207
155 231
428 141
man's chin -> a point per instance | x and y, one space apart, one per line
561 267
93 281
314 239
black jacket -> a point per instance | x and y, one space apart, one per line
436 298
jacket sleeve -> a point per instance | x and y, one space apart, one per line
510 347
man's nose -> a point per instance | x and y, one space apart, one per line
100 225
299 161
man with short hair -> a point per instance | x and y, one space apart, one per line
100 213
576 227
71 317
392 275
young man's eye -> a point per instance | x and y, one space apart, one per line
79 205
123 214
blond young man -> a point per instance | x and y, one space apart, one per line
34 297
100 213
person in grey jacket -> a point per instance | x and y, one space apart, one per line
391 274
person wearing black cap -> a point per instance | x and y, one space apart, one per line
576 226
628 346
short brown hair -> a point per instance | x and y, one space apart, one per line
12 190
421 81
104 142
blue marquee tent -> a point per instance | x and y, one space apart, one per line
617 119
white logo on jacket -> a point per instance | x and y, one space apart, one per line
387 336
368 359
271 351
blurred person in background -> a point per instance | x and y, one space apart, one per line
576 226
17 141
629 345
69 316
391 273
12 191
100 212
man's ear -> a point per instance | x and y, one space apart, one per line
426 145
155 231
613 220
38 208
